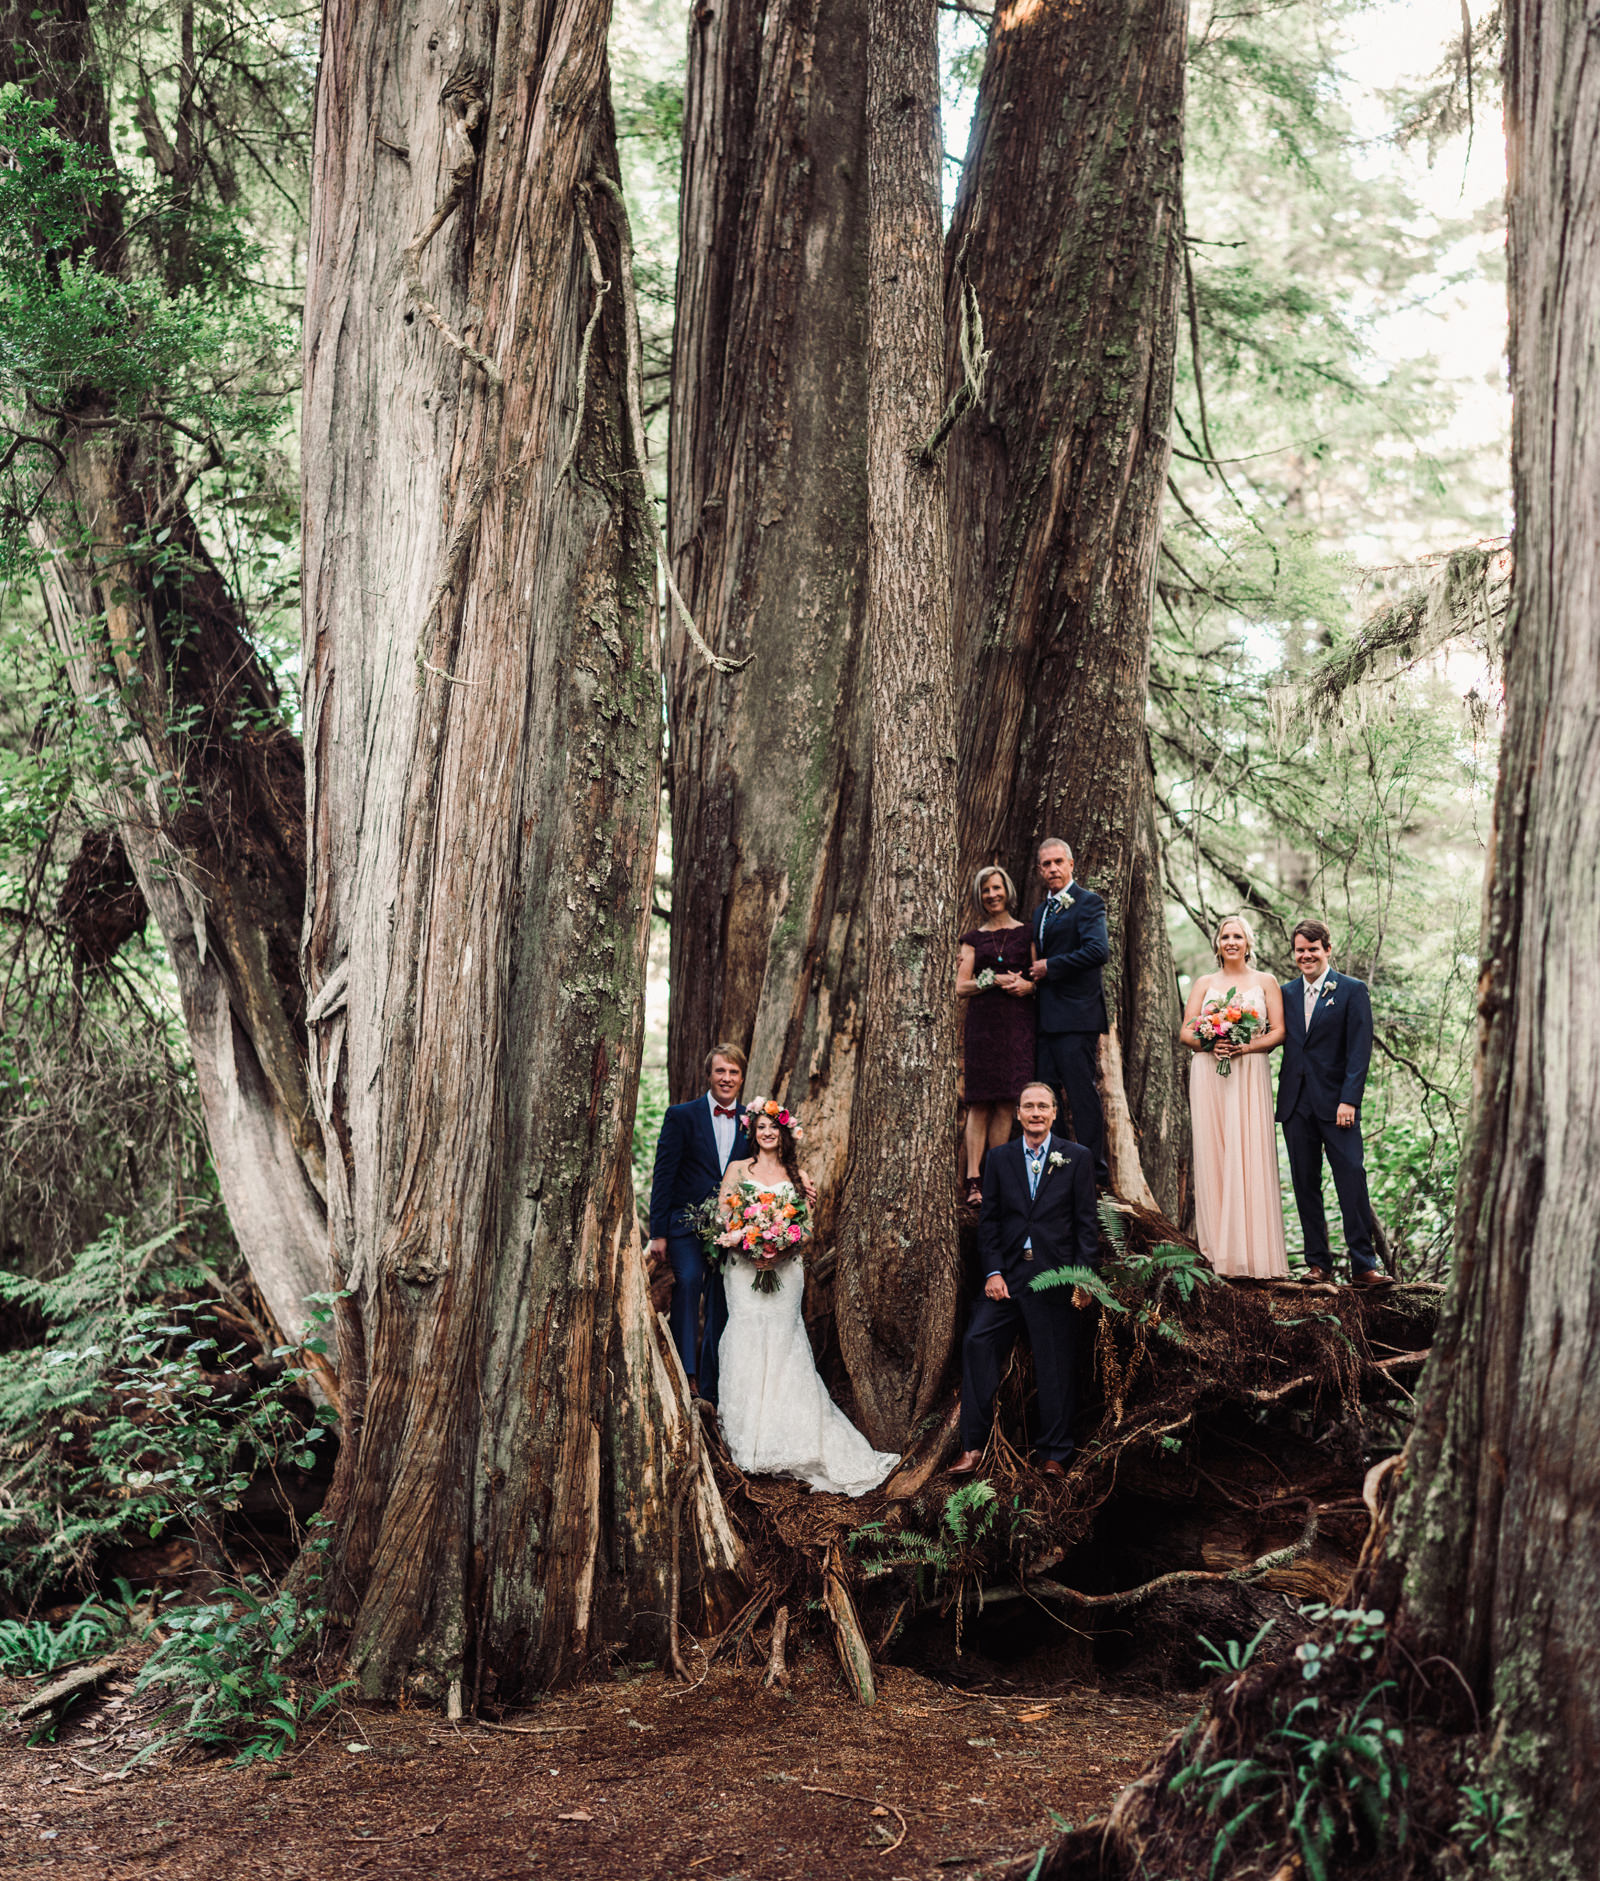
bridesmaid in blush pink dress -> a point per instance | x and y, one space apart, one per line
1238 1204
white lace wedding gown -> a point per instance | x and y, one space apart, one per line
776 1415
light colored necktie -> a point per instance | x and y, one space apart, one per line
1311 1004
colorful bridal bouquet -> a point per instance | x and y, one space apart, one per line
1223 1020
766 1226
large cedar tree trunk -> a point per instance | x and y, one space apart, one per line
1067 227
209 793
1498 1535
899 1270
769 765
483 723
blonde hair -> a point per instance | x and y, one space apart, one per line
988 869
731 1052
1237 920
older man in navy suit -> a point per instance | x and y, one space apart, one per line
698 1140
1327 1047
1038 1213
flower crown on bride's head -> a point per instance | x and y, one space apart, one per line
779 1113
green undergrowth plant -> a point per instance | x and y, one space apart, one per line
1141 1285
944 1562
32 1646
966 1520
232 1667
1141 1289
132 1418
1324 1778
1487 1821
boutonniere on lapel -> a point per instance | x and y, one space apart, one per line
1062 898
1327 990
1056 1160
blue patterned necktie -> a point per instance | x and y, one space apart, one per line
1035 1164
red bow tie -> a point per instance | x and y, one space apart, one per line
718 1111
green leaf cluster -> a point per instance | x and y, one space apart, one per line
230 1665
31 1647
1326 1777
127 1421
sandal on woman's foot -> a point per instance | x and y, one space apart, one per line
974 1192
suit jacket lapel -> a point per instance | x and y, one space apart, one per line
1325 999
1052 910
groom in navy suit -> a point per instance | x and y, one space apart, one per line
1038 1213
1327 1047
1070 938
698 1140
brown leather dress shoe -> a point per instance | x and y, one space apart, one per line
1371 1281
1052 1466
967 1463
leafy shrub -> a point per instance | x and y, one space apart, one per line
1487 1819
119 1426
1327 1773
33 1646
228 1662
1412 1171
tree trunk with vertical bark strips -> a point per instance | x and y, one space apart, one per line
898 1287
209 797
1067 228
483 723
769 765
1498 1535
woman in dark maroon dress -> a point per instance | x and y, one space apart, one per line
993 979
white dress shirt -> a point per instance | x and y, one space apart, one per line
724 1129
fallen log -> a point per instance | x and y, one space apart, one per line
63 1692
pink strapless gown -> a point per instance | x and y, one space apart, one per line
1237 1202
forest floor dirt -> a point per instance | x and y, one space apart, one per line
629 1776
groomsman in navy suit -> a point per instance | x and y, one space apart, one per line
1326 1050
1038 1212
698 1140
1069 936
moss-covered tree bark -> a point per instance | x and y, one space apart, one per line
899 1271
1497 1541
769 765
207 787
1066 231
483 723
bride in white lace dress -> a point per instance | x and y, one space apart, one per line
775 1412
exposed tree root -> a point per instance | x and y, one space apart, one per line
777 1668
1232 1455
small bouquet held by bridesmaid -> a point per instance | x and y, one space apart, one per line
767 1227
1223 1020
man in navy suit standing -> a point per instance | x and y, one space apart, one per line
1038 1213
1326 1050
1069 937
698 1140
